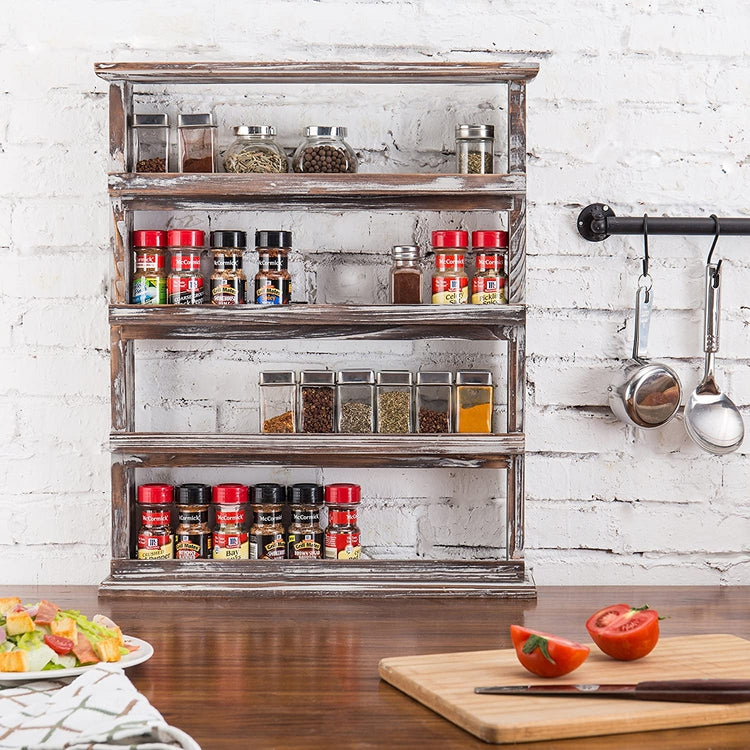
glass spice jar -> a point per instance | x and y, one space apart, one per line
255 150
434 401
267 538
450 284
324 150
273 282
278 402
474 393
185 282
149 274
406 275
197 142
489 283
230 532
317 401
155 533
343 539
356 401
192 538
305 537
474 149
394 413
150 143
228 280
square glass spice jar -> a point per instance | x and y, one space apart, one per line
150 143
196 142
317 401
356 401
394 402
434 401
474 396
278 401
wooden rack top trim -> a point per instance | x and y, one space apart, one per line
316 72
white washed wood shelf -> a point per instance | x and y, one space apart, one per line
132 450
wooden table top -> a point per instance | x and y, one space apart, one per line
302 672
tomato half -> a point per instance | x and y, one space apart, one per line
59 644
547 655
624 632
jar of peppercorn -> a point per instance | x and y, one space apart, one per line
192 538
343 534
150 275
273 282
317 389
155 532
267 538
228 279
185 282
324 150
230 534
305 538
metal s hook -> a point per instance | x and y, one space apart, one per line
717 232
645 277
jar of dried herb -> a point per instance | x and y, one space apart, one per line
406 275
324 150
434 401
197 142
278 401
474 149
150 142
356 401
317 401
474 392
255 150
394 400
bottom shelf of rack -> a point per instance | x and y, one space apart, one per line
357 578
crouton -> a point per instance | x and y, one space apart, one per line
7 604
108 649
66 627
18 622
14 661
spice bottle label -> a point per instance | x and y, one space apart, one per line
344 546
227 292
230 546
155 547
230 517
193 546
185 290
186 261
149 290
187 516
149 261
273 291
450 290
267 546
155 517
488 290
305 546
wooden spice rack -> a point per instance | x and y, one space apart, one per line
132 450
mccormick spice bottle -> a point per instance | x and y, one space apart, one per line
149 276
273 282
450 284
406 275
192 538
155 533
230 534
490 282
185 282
342 533
228 279
305 538
267 538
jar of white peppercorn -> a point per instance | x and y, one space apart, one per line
255 150
324 150
356 401
474 149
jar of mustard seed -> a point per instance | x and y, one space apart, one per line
273 282
230 533
228 279
150 269
267 538
305 537
155 533
192 538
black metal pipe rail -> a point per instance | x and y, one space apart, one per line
598 221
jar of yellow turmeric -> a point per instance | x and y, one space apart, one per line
474 392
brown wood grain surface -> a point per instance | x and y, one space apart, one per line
290 673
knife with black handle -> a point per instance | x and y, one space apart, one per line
683 691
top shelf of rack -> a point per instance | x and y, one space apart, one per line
316 72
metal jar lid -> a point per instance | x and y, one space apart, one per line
405 252
151 121
317 377
195 121
474 377
278 377
475 131
355 377
255 130
433 377
394 377
325 130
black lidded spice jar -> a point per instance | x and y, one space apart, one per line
228 279
267 538
193 538
305 538
273 282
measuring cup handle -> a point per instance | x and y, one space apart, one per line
712 310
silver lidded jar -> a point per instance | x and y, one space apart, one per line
356 401
278 402
324 150
150 143
255 150
475 149
197 142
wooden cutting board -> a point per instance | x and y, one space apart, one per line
445 683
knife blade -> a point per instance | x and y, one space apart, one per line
683 691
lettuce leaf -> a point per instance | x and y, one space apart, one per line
91 630
29 641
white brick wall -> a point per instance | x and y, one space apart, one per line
640 104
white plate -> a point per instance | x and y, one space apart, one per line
145 651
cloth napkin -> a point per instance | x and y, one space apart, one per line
99 710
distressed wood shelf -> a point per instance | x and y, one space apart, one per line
320 577
352 191
155 449
247 322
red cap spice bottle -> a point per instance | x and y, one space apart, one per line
185 282
450 284
155 534
230 535
149 275
490 282
342 533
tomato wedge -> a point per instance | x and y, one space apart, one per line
624 632
547 655
59 644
